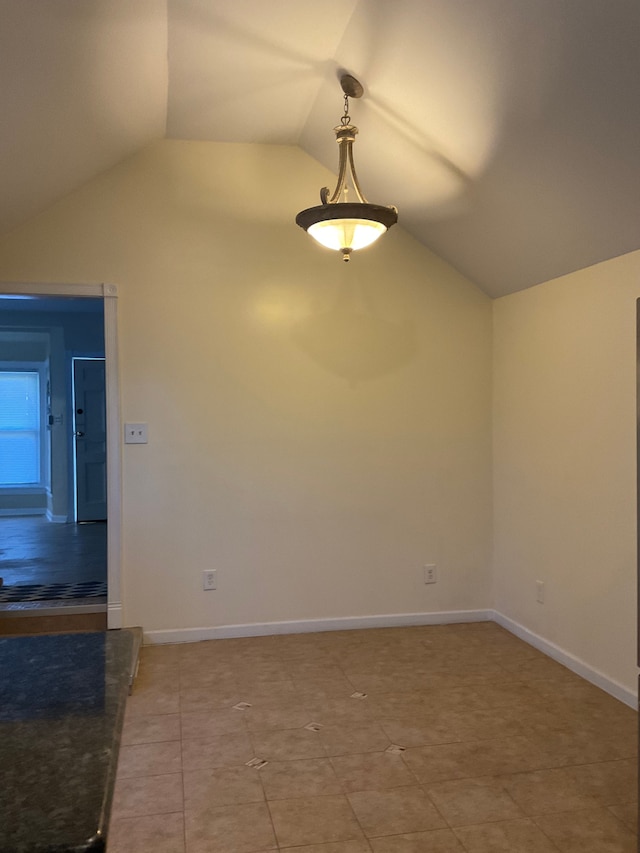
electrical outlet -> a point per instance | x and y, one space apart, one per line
209 579
540 592
430 573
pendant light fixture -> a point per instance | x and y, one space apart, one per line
338 223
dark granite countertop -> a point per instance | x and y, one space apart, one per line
62 701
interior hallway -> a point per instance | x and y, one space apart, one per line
36 551
467 740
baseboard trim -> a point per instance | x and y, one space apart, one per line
572 662
114 615
307 626
394 620
24 511
56 519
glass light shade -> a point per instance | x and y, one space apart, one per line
340 234
347 226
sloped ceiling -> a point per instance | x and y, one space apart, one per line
505 131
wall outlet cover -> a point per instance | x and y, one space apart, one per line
209 579
135 433
430 573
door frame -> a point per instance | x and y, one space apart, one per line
109 294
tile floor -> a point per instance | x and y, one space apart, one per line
467 740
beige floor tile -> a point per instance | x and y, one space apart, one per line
287 745
546 721
468 801
298 648
268 670
408 733
479 670
511 836
345 711
154 834
322 689
206 650
475 758
437 841
542 672
223 751
274 694
199 698
145 702
198 725
345 740
149 759
154 677
226 786
147 795
309 777
507 695
395 811
402 705
372 770
547 791
151 729
579 747
486 724
590 701
314 671
610 782
628 814
274 719
592 831
505 755
622 736
440 762
165 653
372 682
241 828
313 820
455 697
207 676
337 847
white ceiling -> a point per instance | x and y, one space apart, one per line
505 131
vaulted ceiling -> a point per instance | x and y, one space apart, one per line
505 131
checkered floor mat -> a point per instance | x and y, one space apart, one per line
53 591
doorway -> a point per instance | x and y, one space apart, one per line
83 482
89 440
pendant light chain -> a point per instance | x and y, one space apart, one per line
345 121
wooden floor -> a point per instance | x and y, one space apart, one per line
33 550
19 626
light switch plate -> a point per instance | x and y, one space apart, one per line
135 434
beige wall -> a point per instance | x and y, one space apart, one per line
565 462
317 432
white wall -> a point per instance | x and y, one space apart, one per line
565 462
317 432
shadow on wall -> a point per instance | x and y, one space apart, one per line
352 341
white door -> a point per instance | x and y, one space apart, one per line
90 439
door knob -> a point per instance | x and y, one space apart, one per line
78 434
